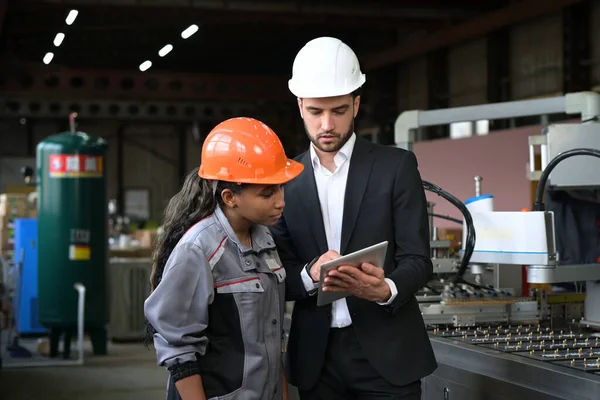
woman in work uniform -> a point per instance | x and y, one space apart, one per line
217 305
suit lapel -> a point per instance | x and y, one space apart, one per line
359 171
309 197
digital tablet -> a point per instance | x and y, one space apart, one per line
373 255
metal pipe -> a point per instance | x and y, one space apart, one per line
430 206
72 125
587 104
531 159
80 320
409 120
543 156
509 109
404 126
478 180
62 363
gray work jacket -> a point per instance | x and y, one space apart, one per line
221 305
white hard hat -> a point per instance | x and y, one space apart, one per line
325 67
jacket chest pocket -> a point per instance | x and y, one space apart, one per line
243 285
276 268
280 274
247 293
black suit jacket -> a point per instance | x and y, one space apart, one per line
384 200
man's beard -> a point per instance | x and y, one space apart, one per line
335 147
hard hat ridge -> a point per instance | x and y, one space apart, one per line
245 150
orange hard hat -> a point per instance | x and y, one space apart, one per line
245 150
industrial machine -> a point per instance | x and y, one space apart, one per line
492 341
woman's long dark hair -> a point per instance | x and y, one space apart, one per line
194 202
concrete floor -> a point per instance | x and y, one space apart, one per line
128 372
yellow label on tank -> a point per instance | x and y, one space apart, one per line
79 253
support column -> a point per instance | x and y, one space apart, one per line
498 72
439 89
182 157
576 47
30 140
120 170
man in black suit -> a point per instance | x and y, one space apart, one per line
351 195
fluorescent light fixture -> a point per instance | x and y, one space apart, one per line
48 57
71 17
145 65
189 31
165 50
58 39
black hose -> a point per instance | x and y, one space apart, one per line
539 193
470 240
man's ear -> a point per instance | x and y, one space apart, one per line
356 105
300 108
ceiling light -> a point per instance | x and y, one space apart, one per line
71 17
189 31
58 39
165 50
48 57
145 65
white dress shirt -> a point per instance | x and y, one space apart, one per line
331 188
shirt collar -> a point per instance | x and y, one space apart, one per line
261 240
343 154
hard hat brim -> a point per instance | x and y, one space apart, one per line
302 91
284 175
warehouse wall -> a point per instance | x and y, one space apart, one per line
537 57
536 65
467 64
413 85
536 70
141 169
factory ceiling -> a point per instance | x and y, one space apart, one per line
185 51
233 37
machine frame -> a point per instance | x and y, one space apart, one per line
514 238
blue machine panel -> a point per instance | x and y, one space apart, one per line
26 254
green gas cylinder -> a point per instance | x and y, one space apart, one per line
72 234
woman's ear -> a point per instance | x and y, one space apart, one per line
228 198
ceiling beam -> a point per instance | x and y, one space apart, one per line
27 18
32 106
369 9
180 19
65 83
510 15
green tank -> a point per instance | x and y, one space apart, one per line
72 235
